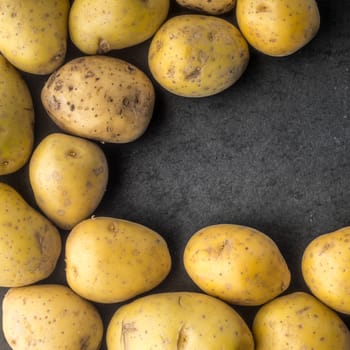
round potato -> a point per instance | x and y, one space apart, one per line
68 176
178 320
110 260
100 98
237 264
326 268
213 7
299 321
51 316
197 55
278 27
101 26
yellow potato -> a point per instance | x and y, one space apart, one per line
16 119
213 7
111 260
278 27
101 26
299 321
29 244
326 268
33 34
178 320
237 264
50 316
197 55
68 176
101 98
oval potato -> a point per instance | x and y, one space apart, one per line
236 263
110 260
212 7
178 320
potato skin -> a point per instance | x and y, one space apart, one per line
33 34
30 245
325 268
111 260
100 98
16 119
299 321
50 316
68 176
197 55
236 263
278 27
102 26
213 7
178 320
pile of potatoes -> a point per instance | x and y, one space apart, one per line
98 98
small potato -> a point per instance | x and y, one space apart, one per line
213 7
237 264
197 55
30 245
299 321
178 320
68 176
111 260
326 268
278 27
100 98
51 316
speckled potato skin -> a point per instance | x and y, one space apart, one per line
30 245
100 98
33 33
101 26
299 321
16 119
178 320
326 268
111 260
68 176
50 316
197 55
212 7
236 263
278 27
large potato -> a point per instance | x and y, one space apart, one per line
213 7
299 321
50 317
326 268
68 176
237 264
33 33
197 55
29 244
180 321
278 27
102 26
110 260
16 119
101 98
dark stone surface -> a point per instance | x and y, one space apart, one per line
271 152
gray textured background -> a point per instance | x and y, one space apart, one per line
271 152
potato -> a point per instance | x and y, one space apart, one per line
101 98
236 263
30 245
278 27
68 176
33 34
213 7
299 321
16 119
178 320
101 26
111 260
50 316
326 268
197 55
